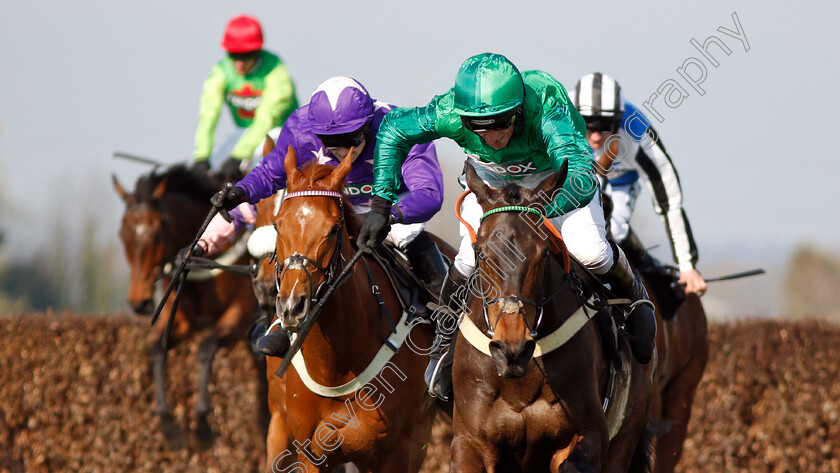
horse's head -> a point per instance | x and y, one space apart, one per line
161 216
512 257
310 229
261 246
141 232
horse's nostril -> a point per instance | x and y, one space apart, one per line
528 349
300 305
143 307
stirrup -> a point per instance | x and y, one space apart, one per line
432 381
641 302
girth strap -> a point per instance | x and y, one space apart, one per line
382 357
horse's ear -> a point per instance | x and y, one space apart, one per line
336 178
476 185
119 188
268 145
290 164
160 190
555 181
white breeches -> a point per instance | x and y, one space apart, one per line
583 231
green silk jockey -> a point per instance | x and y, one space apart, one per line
256 88
513 127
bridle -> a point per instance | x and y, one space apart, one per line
301 262
514 304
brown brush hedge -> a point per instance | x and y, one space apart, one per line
76 393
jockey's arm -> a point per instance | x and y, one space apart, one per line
664 184
221 234
269 175
424 179
564 142
212 100
401 129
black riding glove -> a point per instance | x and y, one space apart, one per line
376 225
231 169
201 167
231 200
198 250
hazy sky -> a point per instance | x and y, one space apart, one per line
83 79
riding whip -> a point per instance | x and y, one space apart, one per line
140 159
316 311
175 276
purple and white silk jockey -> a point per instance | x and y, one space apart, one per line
341 105
338 106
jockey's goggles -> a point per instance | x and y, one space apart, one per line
246 56
501 121
344 140
600 124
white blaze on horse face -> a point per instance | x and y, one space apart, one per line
303 214
141 230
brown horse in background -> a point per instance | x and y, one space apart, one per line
380 425
523 403
162 216
683 347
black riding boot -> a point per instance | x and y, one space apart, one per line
427 262
438 374
641 321
276 343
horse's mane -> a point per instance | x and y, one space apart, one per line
179 179
512 193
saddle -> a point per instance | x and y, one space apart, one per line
411 292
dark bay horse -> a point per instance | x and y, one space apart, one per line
339 402
683 347
162 216
534 389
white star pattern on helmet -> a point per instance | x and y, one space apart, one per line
333 87
321 157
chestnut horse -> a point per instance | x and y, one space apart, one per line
534 389
340 401
162 216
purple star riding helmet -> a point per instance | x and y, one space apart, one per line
340 112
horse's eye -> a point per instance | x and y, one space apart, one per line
335 230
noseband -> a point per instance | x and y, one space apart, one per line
301 262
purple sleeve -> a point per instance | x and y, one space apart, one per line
269 176
240 220
422 175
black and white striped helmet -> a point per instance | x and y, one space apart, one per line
598 95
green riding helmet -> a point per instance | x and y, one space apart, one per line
488 84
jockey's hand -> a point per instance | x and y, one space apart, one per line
694 282
376 225
201 167
198 251
231 169
231 200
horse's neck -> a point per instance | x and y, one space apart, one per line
185 215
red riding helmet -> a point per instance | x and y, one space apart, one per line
242 34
